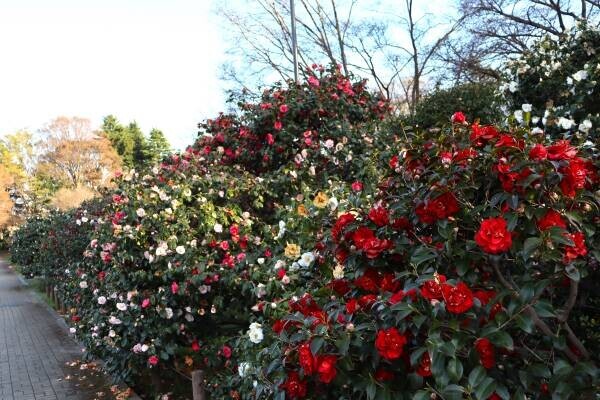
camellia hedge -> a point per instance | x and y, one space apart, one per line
310 247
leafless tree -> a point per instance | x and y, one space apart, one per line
363 41
495 30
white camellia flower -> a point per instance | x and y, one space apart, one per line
338 272
580 75
101 300
306 259
161 250
121 306
513 86
144 348
255 333
112 333
72 330
565 123
169 312
260 290
281 230
180 250
518 115
333 203
260 260
140 212
83 284
218 228
243 369
114 320
526 107
189 317
585 126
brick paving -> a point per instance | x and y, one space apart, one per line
38 359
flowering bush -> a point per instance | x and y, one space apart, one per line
457 280
301 250
557 81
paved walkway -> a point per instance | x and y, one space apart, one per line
38 360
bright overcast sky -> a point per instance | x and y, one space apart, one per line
153 61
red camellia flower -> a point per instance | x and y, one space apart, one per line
458 299
195 346
485 349
506 140
538 152
361 236
379 215
494 396
374 247
351 306
432 289
341 223
390 343
493 236
480 134
294 387
424 368
306 359
458 118
369 281
561 150
550 219
574 176
440 207
153 360
326 368
393 163
578 249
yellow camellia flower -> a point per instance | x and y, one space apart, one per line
292 251
302 211
321 200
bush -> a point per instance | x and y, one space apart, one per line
559 79
475 100
294 250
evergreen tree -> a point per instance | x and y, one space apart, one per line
158 146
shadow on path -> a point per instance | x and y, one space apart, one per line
38 359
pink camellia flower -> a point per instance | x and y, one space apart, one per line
313 81
278 125
357 186
153 360
283 108
226 351
145 303
94 243
174 287
270 139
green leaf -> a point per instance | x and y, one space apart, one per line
422 254
501 339
530 245
524 322
539 370
476 376
316 344
573 272
562 368
402 310
455 369
371 390
421 395
485 388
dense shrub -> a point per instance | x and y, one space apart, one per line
559 79
475 100
318 250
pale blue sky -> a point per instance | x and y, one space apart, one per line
155 61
